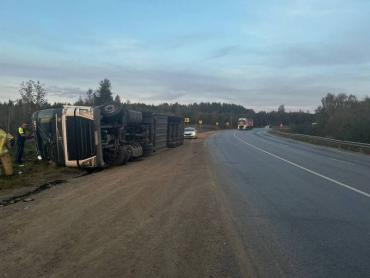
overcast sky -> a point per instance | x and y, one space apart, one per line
256 53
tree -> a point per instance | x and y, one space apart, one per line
104 92
344 117
80 102
281 108
33 98
26 92
33 92
117 99
40 94
90 97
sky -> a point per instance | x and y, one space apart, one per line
258 54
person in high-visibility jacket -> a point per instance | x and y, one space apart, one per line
21 138
5 158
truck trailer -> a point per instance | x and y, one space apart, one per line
97 137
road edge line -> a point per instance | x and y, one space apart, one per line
305 169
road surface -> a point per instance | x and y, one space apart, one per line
300 210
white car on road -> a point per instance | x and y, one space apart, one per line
190 132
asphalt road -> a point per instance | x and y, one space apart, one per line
300 210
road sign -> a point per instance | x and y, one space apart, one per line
217 123
227 123
187 120
200 122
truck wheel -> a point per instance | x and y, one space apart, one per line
111 110
171 145
147 149
117 158
124 155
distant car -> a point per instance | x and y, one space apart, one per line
190 132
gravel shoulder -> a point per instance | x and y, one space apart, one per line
161 217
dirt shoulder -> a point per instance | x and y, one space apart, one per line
160 217
32 174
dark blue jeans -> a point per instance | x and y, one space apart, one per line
20 149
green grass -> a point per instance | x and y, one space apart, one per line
34 172
318 141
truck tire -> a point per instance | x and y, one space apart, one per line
117 158
125 156
171 145
111 110
147 149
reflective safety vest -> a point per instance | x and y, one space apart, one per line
21 136
20 131
4 138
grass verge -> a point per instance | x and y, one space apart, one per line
34 172
320 141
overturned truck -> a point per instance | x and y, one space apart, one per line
94 137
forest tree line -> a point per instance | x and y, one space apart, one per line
339 116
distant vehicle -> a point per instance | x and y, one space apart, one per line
245 123
268 126
190 132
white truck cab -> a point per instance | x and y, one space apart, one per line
245 123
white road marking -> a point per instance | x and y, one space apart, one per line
304 168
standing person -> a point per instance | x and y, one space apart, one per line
4 152
21 138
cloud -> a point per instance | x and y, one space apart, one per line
291 52
230 50
64 92
110 45
351 51
166 84
267 88
189 39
